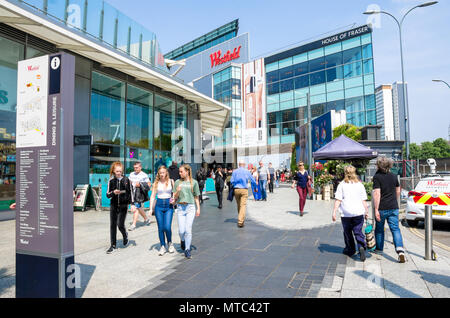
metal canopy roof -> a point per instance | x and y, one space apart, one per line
213 114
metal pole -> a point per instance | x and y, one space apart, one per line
405 102
428 232
309 136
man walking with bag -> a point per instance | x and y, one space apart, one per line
239 181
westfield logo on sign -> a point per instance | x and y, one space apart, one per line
217 58
33 68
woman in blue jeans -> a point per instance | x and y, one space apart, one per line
186 194
162 188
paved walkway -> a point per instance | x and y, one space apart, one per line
277 254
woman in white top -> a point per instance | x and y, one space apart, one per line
351 202
164 208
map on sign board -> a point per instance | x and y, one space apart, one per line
32 100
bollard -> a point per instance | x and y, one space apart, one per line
428 232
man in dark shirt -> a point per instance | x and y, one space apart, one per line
220 182
174 173
386 196
272 177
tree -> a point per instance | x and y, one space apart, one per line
349 130
415 151
430 151
293 158
443 146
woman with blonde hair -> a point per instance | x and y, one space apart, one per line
162 188
186 194
119 191
351 202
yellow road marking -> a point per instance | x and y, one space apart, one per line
436 243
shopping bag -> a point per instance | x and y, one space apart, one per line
370 237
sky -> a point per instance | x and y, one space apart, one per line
275 25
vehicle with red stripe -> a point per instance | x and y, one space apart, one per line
434 191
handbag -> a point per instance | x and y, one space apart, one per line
370 237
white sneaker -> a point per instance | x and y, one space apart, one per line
171 248
162 251
132 227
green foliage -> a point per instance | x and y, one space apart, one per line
349 130
369 187
439 148
293 158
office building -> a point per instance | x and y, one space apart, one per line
385 111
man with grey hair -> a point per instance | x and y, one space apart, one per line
386 195
239 181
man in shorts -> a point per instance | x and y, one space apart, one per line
136 178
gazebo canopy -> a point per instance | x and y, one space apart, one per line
343 148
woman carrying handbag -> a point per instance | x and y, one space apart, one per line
163 187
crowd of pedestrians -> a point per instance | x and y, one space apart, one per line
178 190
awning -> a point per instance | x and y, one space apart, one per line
213 114
344 148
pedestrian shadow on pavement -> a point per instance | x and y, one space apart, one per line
388 285
130 242
6 282
86 272
297 213
178 249
444 280
326 248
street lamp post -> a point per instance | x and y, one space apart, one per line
405 102
438 80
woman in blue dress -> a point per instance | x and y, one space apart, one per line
255 187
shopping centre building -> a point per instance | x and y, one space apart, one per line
268 96
125 96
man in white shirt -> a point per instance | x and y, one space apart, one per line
136 178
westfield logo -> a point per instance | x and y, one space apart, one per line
217 58
33 68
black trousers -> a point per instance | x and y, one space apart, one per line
201 192
117 217
272 178
219 192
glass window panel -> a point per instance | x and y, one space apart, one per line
322 98
367 51
286 96
300 58
273 88
317 78
287 139
286 85
371 117
352 55
354 104
353 69
273 76
333 60
273 107
164 123
369 89
139 117
334 86
368 79
336 105
333 48
301 115
353 82
57 9
107 109
109 23
286 72
354 92
317 110
236 87
273 99
332 96
315 54
334 74
318 89
288 115
285 62
368 66
317 64
299 102
351 43
102 156
366 39
226 86
370 102
288 128
287 105
300 69
301 81
144 156
272 118
32 52
300 93
271 67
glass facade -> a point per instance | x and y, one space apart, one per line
337 77
227 90
105 23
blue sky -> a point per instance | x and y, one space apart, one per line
273 25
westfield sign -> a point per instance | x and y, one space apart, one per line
217 58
